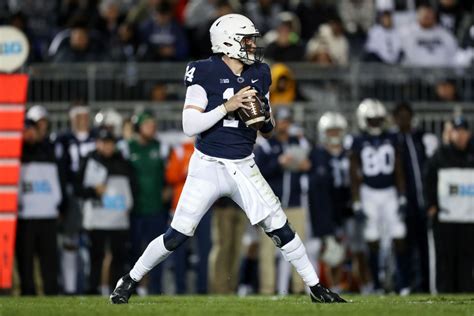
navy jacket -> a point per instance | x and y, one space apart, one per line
286 185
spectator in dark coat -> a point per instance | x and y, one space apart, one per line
80 47
287 46
40 196
163 37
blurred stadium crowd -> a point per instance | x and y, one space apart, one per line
412 32
83 248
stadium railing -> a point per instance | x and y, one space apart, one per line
134 81
430 116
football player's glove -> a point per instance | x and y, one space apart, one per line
359 214
266 105
402 206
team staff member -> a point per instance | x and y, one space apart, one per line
176 173
283 171
71 147
416 147
148 218
450 199
105 183
39 200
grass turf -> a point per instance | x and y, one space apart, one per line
417 305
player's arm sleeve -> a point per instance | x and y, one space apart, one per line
195 120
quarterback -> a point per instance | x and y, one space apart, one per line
222 163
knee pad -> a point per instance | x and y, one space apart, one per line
172 239
282 236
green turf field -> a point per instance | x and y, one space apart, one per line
462 305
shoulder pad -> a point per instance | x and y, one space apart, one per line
264 69
196 71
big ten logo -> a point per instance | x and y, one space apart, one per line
466 190
14 48
11 48
37 187
114 202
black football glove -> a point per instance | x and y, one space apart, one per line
265 105
402 206
359 214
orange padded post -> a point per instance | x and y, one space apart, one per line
13 94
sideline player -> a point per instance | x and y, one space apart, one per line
222 163
378 187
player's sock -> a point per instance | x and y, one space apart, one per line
295 253
69 267
403 265
155 253
374 265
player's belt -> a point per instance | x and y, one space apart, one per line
210 158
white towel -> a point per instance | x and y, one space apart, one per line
257 196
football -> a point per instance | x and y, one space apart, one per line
255 116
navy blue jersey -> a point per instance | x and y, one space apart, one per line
377 157
229 138
285 184
413 155
329 190
70 151
341 191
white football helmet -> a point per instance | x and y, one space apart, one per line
331 120
110 119
227 33
36 113
371 115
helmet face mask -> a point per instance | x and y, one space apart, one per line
234 35
249 49
375 125
332 128
334 136
371 115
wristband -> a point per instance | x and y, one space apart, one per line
223 109
267 126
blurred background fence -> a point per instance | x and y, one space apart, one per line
128 87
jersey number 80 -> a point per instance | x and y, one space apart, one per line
377 161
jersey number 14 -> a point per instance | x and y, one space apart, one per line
229 120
